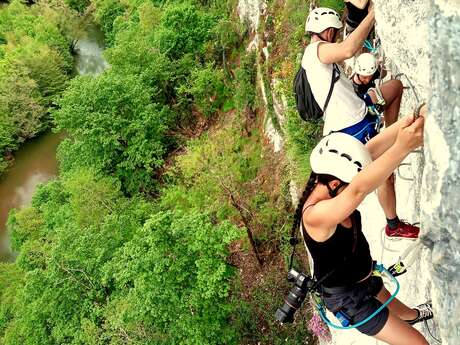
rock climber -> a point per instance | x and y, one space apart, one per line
385 97
346 112
357 10
343 173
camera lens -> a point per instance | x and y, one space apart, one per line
285 314
294 298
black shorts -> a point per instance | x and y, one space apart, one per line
358 303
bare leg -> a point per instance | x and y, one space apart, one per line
396 306
392 91
387 197
398 332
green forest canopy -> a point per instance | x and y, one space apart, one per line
116 251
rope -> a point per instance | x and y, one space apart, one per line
430 333
381 269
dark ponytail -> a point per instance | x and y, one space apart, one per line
298 213
312 180
306 193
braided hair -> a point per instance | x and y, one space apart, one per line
312 181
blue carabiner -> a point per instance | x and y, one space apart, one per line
368 46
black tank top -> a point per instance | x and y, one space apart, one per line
356 15
330 254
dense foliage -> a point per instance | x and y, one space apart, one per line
114 127
98 263
100 268
35 63
164 185
162 73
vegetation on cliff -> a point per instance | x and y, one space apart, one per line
168 222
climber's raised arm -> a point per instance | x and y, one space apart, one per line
337 52
382 142
409 136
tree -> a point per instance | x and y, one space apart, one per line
113 127
206 86
173 282
43 64
106 13
183 30
97 268
245 95
71 230
136 54
21 106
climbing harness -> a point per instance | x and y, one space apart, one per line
380 270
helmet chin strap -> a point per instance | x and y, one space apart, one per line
333 192
320 36
359 78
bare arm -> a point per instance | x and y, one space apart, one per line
361 4
380 143
337 52
323 218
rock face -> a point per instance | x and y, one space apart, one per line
441 179
421 38
250 11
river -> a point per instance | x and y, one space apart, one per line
35 162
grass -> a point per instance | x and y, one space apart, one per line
284 27
337 5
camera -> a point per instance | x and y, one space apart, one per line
303 284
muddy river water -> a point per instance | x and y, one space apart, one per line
35 162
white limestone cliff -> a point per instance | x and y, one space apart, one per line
422 40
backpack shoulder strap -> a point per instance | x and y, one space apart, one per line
335 77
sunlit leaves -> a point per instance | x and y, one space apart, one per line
120 272
113 126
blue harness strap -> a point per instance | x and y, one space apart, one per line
364 130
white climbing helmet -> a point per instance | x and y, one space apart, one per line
322 18
339 155
366 64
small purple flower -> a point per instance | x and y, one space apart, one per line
317 326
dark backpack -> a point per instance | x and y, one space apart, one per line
307 106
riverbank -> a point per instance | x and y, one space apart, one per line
35 161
